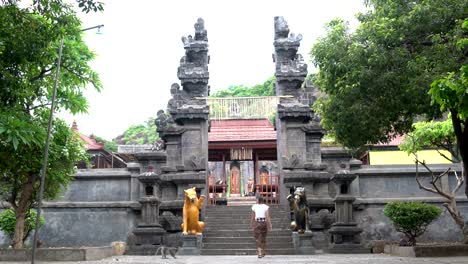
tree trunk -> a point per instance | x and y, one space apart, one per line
20 214
21 209
458 218
461 133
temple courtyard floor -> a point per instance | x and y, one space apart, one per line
310 259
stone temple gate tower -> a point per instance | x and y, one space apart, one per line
179 160
298 129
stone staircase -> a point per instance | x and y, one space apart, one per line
228 232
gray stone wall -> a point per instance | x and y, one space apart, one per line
377 185
95 210
99 207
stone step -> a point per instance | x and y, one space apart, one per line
217 207
238 208
244 215
212 252
209 228
231 212
245 245
220 221
244 233
241 226
250 239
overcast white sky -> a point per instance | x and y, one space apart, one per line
140 48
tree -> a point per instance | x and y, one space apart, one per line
109 145
265 89
440 135
8 222
433 134
139 134
411 218
29 40
377 78
450 92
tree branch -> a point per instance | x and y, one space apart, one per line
39 106
435 179
42 74
459 183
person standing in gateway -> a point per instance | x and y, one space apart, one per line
261 224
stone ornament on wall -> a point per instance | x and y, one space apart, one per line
293 162
195 163
163 121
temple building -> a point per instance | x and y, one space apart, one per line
242 146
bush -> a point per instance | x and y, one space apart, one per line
411 218
8 222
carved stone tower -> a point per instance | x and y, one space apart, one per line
298 129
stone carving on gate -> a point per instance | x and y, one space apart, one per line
163 121
300 208
191 213
195 163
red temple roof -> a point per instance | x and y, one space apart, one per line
90 142
241 130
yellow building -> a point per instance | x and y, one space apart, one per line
390 154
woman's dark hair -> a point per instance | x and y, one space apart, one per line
261 200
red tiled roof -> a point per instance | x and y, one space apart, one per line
241 130
394 142
90 142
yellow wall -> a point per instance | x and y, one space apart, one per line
400 157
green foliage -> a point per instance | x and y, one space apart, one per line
411 218
29 42
435 134
139 134
265 89
376 79
450 91
109 145
8 222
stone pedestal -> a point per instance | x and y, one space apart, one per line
303 243
345 233
320 241
149 233
191 245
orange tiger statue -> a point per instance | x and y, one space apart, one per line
191 213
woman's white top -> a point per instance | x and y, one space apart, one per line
260 210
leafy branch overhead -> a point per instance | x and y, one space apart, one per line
406 60
377 78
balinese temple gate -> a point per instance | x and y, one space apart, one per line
234 149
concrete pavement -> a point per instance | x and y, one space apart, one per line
311 259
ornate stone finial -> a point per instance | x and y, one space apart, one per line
200 31
281 28
163 121
291 69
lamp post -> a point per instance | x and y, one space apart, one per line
46 150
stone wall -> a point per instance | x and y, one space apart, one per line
101 206
95 210
377 185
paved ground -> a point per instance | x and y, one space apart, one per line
315 259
